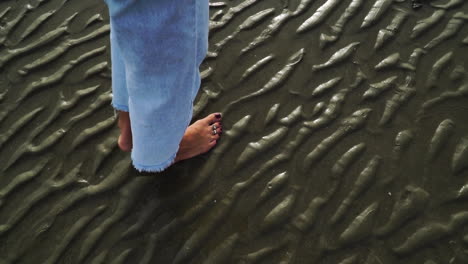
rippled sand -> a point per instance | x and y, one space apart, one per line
346 139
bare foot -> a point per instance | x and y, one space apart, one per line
125 138
199 137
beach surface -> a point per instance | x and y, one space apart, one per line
345 139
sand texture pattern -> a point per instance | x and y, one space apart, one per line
345 139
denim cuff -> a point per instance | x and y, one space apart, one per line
155 168
119 107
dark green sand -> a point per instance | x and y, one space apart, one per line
346 139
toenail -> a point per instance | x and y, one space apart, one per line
218 115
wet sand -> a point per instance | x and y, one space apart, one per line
346 139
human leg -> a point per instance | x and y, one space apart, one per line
158 41
202 38
119 81
120 95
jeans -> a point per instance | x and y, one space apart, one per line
156 50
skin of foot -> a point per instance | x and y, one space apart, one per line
125 138
198 138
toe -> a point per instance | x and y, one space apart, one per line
216 125
214 134
213 118
213 143
214 137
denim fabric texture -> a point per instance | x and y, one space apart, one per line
156 50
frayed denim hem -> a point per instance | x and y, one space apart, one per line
118 107
154 168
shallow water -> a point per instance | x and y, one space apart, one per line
346 139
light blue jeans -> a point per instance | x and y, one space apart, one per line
156 50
